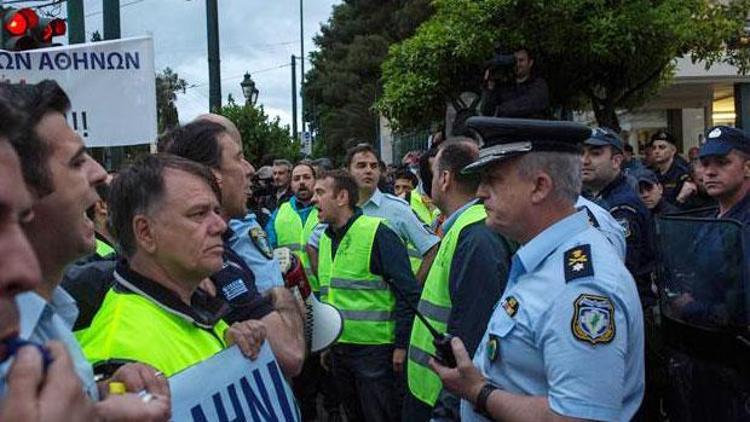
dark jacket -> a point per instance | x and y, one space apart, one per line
528 99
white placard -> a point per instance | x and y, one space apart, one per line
230 387
111 85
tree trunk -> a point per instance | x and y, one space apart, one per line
605 113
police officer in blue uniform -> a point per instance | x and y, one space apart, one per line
669 166
704 286
566 338
605 184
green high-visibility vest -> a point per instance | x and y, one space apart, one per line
131 327
292 234
420 208
435 304
364 299
103 249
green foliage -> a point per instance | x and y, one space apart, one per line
261 137
168 83
343 84
602 54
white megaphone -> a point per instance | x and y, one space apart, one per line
323 325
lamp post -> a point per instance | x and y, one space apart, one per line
249 90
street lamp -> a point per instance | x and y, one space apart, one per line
249 90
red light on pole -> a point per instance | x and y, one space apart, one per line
59 27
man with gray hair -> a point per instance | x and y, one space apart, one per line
282 178
566 340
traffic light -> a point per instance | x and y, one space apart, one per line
23 29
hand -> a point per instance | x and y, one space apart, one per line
138 377
33 395
284 258
295 277
399 356
248 336
689 189
132 407
464 380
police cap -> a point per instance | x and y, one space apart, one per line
661 135
603 136
504 138
646 176
722 139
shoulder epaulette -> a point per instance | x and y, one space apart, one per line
577 262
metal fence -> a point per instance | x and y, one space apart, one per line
410 141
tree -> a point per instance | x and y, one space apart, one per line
261 136
595 54
343 84
168 84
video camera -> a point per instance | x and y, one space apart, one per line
261 186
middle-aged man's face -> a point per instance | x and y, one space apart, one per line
650 193
523 64
724 175
507 198
402 186
662 152
303 183
19 268
325 199
599 164
365 169
280 177
61 231
235 177
186 227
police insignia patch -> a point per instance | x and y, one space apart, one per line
492 348
510 304
593 319
578 263
260 238
625 224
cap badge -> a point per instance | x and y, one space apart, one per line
715 133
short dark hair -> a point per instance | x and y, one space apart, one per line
454 155
283 162
403 173
138 187
342 180
197 141
308 164
32 102
359 148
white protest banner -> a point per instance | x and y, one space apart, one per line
230 387
111 85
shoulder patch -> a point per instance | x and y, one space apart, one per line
593 319
577 262
260 239
625 224
510 304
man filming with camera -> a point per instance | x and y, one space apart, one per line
526 96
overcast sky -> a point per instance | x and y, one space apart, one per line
255 35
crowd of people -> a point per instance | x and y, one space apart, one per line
533 262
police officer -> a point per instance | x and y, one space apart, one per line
464 283
567 336
604 183
361 262
671 169
652 193
725 158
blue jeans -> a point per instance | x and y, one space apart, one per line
366 383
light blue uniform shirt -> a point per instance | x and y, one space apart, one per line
606 224
267 271
41 322
568 327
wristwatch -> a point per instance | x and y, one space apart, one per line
480 405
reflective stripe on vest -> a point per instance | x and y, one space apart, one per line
364 299
435 303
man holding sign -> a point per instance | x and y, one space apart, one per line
167 218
